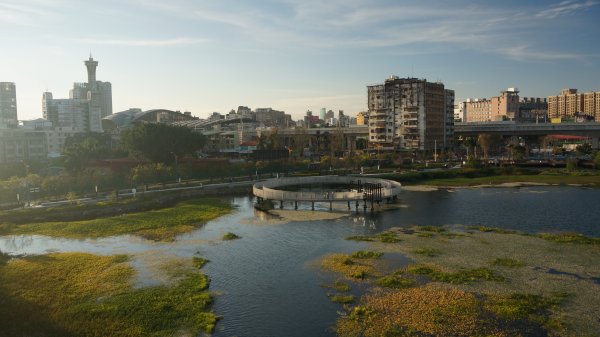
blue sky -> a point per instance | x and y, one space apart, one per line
293 55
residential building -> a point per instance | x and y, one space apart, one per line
22 145
409 113
499 108
269 117
570 104
565 105
449 123
459 112
533 109
8 105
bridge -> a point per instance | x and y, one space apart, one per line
360 188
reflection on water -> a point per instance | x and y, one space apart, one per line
269 281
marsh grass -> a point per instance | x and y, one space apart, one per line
507 262
231 236
76 294
459 277
429 252
361 238
574 238
159 225
388 237
395 281
433 311
434 229
486 229
343 299
366 254
359 269
425 235
199 262
341 286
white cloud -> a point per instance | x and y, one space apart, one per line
564 8
27 14
333 24
524 53
145 43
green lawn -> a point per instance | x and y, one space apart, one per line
163 224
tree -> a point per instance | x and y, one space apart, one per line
584 149
597 160
83 148
487 142
470 142
160 142
147 173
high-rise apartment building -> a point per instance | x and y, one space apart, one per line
571 103
410 113
87 104
8 105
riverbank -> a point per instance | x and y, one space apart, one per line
160 224
516 181
468 281
78 294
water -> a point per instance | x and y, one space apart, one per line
269 284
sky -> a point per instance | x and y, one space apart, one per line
293 55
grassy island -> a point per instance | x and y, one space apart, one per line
474 281
77 294
160 225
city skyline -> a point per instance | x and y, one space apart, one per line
293 55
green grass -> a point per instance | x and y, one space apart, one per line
231 236
528 307
385 237
429 252
76 294
507 262
344 299
434 229
341 287
160 225
361 238
574 238
366 254
388 237
199 262
492 229
459 277
425 235
395 281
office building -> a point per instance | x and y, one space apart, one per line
8 105
87 104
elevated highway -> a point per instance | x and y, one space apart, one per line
528 129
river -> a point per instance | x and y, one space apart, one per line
268 283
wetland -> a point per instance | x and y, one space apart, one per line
471 256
